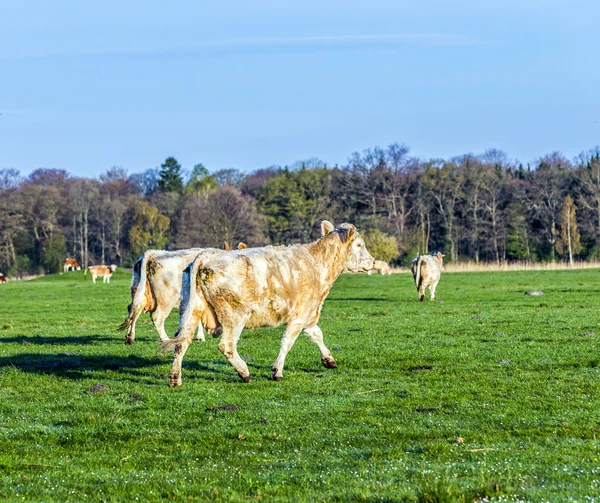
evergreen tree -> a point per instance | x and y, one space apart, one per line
169 176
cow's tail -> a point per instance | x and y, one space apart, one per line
418 271
192 301
138 302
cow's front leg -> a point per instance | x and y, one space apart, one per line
316 335
289 337
228 346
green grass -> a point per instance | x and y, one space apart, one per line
515 377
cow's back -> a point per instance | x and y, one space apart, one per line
268 286
164 272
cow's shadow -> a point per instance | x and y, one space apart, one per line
79 366
56 340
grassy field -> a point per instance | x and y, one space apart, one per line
482 395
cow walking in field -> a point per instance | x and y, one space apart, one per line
426 270
156 287
381 267
71 264
268 287
3 278
103 271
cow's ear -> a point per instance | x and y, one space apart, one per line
241 246
348 231
326 227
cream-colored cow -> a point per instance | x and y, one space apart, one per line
426 270
381 267
156 287
103 271
268 287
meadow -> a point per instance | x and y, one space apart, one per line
482 395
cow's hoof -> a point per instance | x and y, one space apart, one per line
275 377
245 379
174 380
129 341
329 363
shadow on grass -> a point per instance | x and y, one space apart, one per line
76 366
57 339
384 299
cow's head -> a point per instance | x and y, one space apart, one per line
358 259
439 257
113 267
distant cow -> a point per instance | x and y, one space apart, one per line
381 267
268 287
104 271
426 270
71 265
156 286
3 278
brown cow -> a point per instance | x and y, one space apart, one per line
71 264
3 278
268 287
426 270
104 271
156 286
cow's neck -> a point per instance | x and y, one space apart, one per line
330 254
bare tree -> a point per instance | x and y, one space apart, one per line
447 185
222 215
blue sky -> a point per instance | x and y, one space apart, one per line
248 84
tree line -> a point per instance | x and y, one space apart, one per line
472 207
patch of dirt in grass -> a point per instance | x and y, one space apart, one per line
419 368
221 408
96 388
135 398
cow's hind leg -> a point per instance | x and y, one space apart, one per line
228 346
179 353
289 337
421 292
316 335
158 319
200 333
432 288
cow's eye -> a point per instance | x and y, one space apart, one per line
359 245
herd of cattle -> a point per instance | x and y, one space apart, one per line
226 291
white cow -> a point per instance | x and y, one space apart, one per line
156 287
426 270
